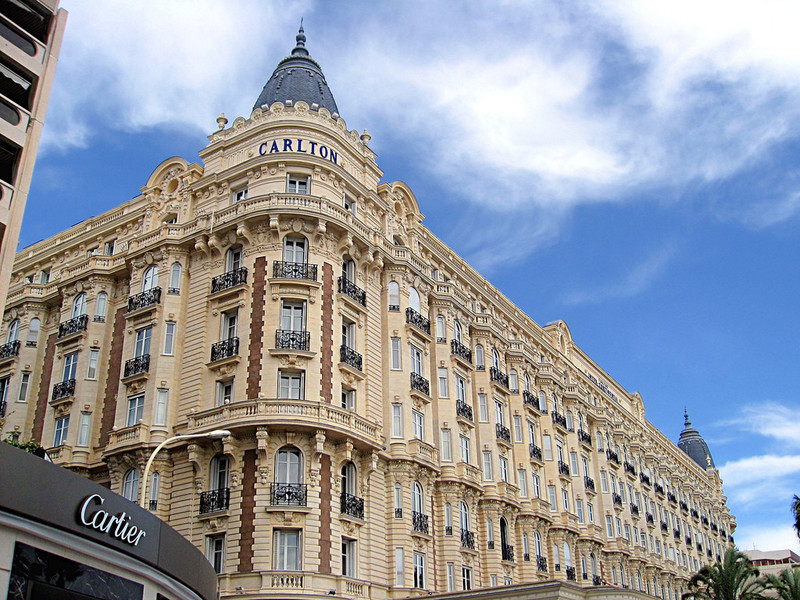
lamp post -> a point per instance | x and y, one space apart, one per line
214 435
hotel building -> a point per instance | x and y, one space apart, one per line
399 427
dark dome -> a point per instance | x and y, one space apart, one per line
693 444
298 77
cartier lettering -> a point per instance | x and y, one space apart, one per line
118 526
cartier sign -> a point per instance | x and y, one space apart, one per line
118 526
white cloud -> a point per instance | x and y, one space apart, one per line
771 420
758 479
764 538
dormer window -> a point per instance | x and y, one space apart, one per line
239 195
298 184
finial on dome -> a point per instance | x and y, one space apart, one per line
686 422
300 48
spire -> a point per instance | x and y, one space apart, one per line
686 422
693 444
300 48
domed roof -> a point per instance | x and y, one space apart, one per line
693 444
298 77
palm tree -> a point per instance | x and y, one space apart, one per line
786 584
796 512
733 578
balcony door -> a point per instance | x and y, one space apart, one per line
294 250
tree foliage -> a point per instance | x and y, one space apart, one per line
796 512
786 584
732 578
30 446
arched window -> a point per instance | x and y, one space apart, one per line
100 307
580 421
289 465
505 540
175 278
526 551
599 441
570 421
417 504
567 555
583 567
448 519
220 468
130 485
79 305
555 402
441 334
479 359
495 359
154 481
398 500
593 564
349 270
349 478
394 295
556 557
33 331
150 278
490 533
13 331
537 541
413 298
457 332
513 380
295 250
527 382
464 516
542 401
233 258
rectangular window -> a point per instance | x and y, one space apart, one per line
348 558
522 478
590 512
451 584
109 247
461 389
416 360
229 325
579 509
297 184
603 482
504 469
348 334
418 420
396 353
499 413
83 429
419 570
619 527
94 357
548 447
487 465
215 552
446 448
224 392
287 549
160 418
493 580
565 499
142 346
397 420
24 384
169 337
531 432
70 366
573 461
464 443
551 496
442 383
239 195
348 399
609 526
517 428
61 431
290 385
466 578
483 408
399 575
135 410
537 485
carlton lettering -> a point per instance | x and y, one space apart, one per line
299 145
118 526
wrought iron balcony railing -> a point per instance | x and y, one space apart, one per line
688 540
612 456
229 279
526 557
350 357
288 494
530 399
419 383
535 451
498 376
634 510
684 506
294 270
417 320
596 580
351 290
490 544
467 539
584 437
463 410
10 349
145 299
541 563
503 433
225 349
448 530
644 478
73 325
695 514
153 505
63 389
559 419
659 489
649 518
617 499
672 498
288 339
676 533
419 522
630 469
570 573
398 513
508 552
137 365
352 505
461 350
664 526
563 468
588 482
215 500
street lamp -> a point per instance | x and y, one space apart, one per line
214 435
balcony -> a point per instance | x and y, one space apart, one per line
530 400
535 452
464 410
596 580
507 552
490 544
659 489
613 457
559 419
293 270
630 469
418 321
351 358
503 433
460 350
695 514
467 539
584 438
676 533
684 506
352 505
588 482
215 500
288 494
526 557
351 290
664 526
617 499
563 468
137 365
448 530
634 510
420 384
688 540
225 349
672 498
398 513
229 280
73 325
704 520
9 350
287 339
645 479
149 298
571 574
649 518
63 389
497 376
541 564
419 522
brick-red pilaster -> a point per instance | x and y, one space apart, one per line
326 345
112 380
248 512
44 389
325 514
254 358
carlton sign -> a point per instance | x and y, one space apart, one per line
118 526
299 145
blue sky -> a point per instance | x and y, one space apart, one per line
632 170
